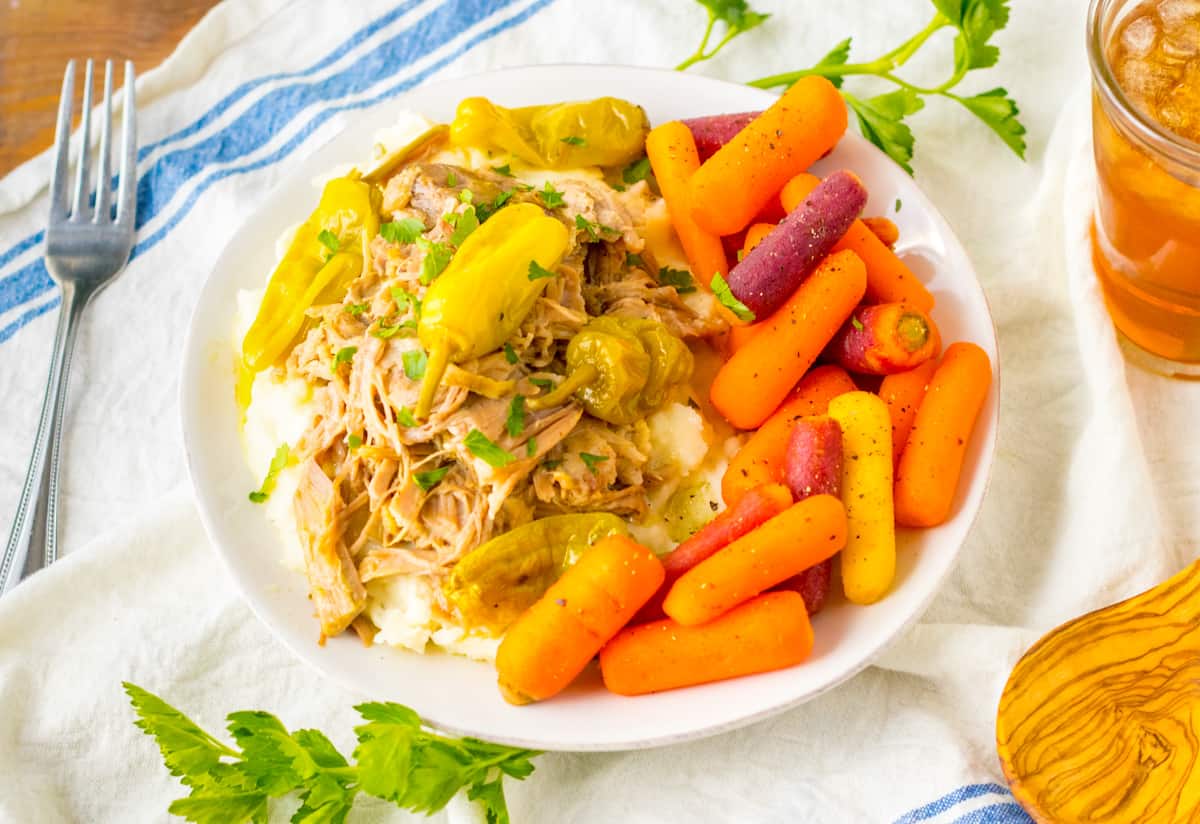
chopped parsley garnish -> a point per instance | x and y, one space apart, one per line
592 460
574 140
856 323
385 332
451 179
357 309
515 422
510 354
585 225
552 465
638 170
679 278
344 355
485 210
632 260
464 223
278 462
354 442
530 447
741 255
414 364
404 299
726 298
402 231
487 450
428 480
329 240
537 271
542 383
466 196
437 258
503 170
899 203
406 417
551 198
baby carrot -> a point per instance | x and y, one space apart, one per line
672 154
552 641
755 235
889 280
761 459
799 537
768 633
884 229
813 464
736 182
714 131
812 584
752 383
885 338
739 335
869 559
927 476
903 393
754 509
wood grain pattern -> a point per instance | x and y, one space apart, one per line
1100 720
38 37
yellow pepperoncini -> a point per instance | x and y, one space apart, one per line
602 132
487 290
324 257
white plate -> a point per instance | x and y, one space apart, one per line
458 695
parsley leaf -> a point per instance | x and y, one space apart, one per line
428 480
503 170
188 751
738 18
537 271
406 417
344 355
542 383
856 323
591 461
551 198
437 258
451 179
999 112
385 332
402 231
637 170
531 447
585 225
329 240
357 309
486 210
514 424
487 450
574 140
464 223
552 465
510 354
278 462
404 299
679 278
837 56
466 196
726 298
414 364
632 260
354 442
899 203
881 119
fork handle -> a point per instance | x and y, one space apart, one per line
33 542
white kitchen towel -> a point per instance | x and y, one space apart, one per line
1093 495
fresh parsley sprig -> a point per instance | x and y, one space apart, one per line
396 759
737 18
882 118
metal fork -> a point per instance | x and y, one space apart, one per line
86 248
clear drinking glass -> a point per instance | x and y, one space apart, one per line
1145 59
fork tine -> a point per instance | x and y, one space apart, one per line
80 208
62 147
103 173
127 192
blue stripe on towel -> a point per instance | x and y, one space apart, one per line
1008 812
949 800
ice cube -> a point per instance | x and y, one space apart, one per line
1145 80
1176 13
1181 48
1139 36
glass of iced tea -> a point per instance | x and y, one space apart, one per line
1145 58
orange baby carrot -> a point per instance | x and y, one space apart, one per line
752 383
553 640
761 459
927 476
672 154
799 537
755 508
739 336
768 633
755 234
889 280
736 182
903 393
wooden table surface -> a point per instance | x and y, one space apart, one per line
37 37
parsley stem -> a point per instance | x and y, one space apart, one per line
699 53
899 55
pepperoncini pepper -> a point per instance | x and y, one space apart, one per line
498 580
324 257
621 369
602 132
485 293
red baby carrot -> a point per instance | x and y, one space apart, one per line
755 508
552 641
813 584
813 464
889 280
903 393
752 383
736 182
714 131
801 536
927 476
672 154
884 339
768 633
761 459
